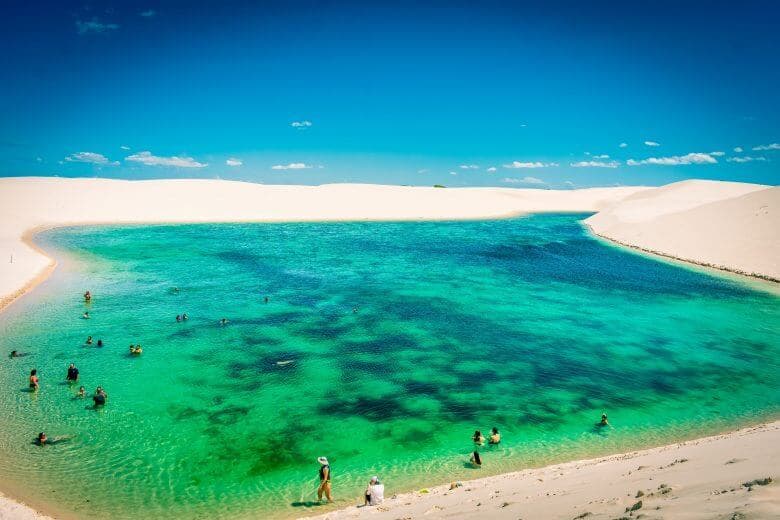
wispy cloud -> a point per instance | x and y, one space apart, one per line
92 158
745 159
123 147
469 167
622 145
291 166
491 169
524 180
148 13
602 156
676 160
764 147
234 162
423 170
652 143
94 26
535 164
153 160
453 173
717 154
738 149
595 164
301 124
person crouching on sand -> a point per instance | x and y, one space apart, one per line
324 480
375 492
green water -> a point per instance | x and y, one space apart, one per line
529 325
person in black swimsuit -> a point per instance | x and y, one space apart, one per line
324 480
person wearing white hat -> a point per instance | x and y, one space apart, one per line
324 479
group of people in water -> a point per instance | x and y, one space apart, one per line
89 341
479 440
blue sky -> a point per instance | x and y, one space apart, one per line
545 94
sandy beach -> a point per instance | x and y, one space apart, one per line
730 226
707 478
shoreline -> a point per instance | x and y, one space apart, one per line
718 269
594 201
686 469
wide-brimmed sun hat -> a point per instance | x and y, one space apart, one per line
322 460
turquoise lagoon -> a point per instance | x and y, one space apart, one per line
383 346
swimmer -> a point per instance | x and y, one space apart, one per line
178 318
89 340
223 321
73 373
495 437
100 396
184 317
34 385
604 421
478 438
42 439
136 350
85 315
82 392
354 310
265 299
100 343
87 296
475 459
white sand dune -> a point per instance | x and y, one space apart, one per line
702 479
733 226
727 225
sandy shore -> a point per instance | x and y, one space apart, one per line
732 226
725 225
701 479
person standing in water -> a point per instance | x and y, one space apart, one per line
495 437
87 296
34 385
324 479
73 373
478 438
604 421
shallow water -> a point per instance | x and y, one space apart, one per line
528 324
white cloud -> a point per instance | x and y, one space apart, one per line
152 160
469 167
38 159
423 170
745 159
94 26
300 124
234 162
761 148
491 169
453 173
717 154
524 180
291 166
676 160
595 164
652 143
602 156
92 158
738 149
123 147
148 13
536 164
622 145
523 125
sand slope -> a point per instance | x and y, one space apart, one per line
730 226
704 479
